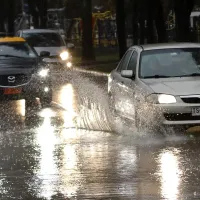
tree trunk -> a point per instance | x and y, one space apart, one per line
142 30
11 16
87 40
135 22
42 5
160 23
183 10
34 13
2 16
120 20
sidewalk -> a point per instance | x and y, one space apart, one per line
105 62
98 66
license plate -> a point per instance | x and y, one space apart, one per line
196 111
12 91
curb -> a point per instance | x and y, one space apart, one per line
95 63
90 71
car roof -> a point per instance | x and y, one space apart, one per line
12 39
39 31
168 46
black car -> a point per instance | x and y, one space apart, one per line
23 75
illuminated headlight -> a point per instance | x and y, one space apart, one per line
46 89
165 98
69 64
161 99
44 72
64 55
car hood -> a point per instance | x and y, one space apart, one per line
175 86
54 51
15 66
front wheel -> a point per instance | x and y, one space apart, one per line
46 100
30 102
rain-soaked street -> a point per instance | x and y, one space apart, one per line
68 151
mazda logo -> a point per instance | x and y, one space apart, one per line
11 79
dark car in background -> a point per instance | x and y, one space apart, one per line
22 73
50 41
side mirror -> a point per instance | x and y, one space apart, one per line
70 46
127 73
44 54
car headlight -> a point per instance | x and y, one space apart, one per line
43 72
161 98
64 55
165 98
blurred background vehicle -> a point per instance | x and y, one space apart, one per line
23 74
51 41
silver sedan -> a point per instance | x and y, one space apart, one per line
156 85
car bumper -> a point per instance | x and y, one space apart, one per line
36 87
58 62
178 114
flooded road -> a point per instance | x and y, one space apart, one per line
68 151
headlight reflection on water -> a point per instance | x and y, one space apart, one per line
47 171
169 175
21 108
67 100
44 72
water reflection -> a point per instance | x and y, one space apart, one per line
21 108
47 171
170 174
70 174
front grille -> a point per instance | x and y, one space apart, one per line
55 56
191 100
180 117
14 79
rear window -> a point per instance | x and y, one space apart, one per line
44 39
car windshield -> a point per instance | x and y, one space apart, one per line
164 63
16 49
43 39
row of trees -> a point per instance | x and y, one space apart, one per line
154 13
148 21
148 17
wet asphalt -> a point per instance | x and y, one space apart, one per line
69 151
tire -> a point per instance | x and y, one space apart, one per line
113 115
46 100
143 127
30 103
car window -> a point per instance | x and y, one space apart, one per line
124 62
19 49
17 34
133 62
170 62
44 39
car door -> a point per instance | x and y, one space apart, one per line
127 88
116 79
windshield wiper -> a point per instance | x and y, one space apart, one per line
157 76
188 75
11 56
